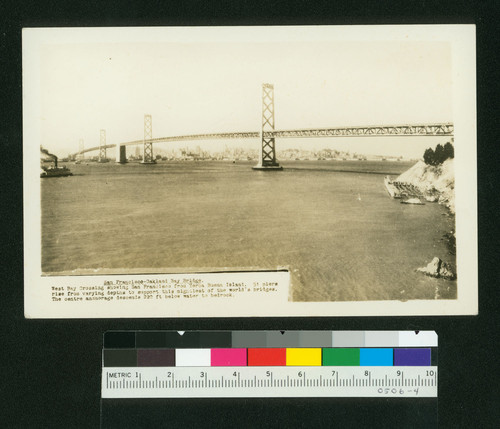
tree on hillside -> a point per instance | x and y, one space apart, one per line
449 151
429 156
439 155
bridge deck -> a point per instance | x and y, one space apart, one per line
422 130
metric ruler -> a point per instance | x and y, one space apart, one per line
221 364
203 382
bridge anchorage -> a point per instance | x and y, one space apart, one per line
121 154
267 154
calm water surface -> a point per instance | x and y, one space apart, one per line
332 224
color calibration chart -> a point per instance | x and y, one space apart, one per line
197 364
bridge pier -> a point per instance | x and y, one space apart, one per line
267 156
147 157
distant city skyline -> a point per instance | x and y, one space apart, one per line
250 148
206 85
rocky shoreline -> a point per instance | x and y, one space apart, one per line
436 183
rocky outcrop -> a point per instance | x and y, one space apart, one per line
435 182
439 269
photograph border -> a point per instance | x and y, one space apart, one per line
38 302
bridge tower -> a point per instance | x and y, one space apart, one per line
267 156
148 145
102 146
81 148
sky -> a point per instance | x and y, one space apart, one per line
207 86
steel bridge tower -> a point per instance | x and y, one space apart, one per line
148 145
102 146
81 148
267 157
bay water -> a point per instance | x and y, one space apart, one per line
331 223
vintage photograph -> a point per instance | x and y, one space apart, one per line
307 150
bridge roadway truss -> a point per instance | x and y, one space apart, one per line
416 130
370 131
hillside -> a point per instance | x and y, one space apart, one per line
439 178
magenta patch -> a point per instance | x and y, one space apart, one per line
228 357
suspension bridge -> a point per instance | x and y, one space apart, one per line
267 135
